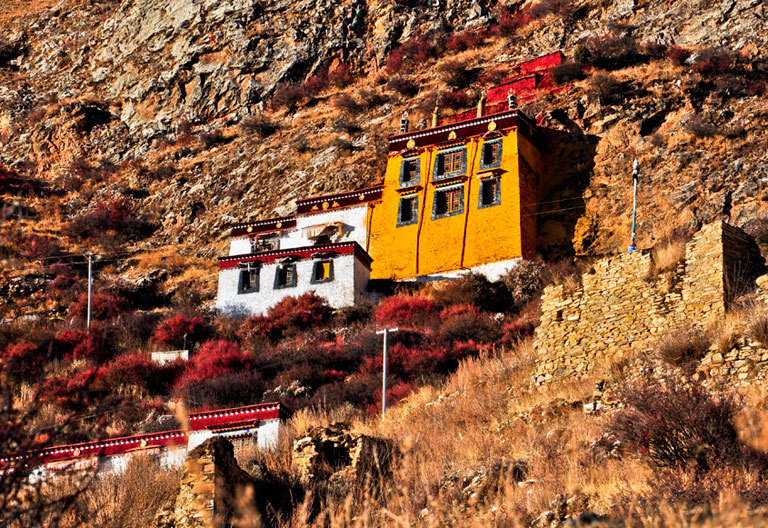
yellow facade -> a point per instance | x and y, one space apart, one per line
496 220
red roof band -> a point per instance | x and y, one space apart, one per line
305 252
121 445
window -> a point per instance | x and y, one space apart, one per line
285 276
264 244
408 212
491 155
322 271
249 281
410 172
448 202
490 193
450 163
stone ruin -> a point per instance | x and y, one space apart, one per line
214 492
624 305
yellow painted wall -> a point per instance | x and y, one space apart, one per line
431 246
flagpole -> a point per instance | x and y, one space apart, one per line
635 175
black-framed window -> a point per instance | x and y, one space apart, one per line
322 271
285 276
449 163
490 192
408 211
448 202
248 281
490 155
410 172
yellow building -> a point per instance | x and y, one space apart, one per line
457 197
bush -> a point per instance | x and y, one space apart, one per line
342 76
457 99
215 358
465 40
509 24
677 425
346 124
179 330
476 290
607 88
40 246
372 98
413 51
228 390
406 311
525 281
288 317
757 329
463 322
710 62
94 345
133 370
287 95
6 177
612 52
259 125
566 72
455 73
346 103
22 362
403 86
514 331
678 55
315 84
492 77
109 218
683 346
104 306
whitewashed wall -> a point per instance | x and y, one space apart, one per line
350 278
353 218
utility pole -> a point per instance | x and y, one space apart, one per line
635 177
386 332
90 282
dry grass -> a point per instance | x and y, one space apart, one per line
667 255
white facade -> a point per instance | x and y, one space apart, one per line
346 285
347 224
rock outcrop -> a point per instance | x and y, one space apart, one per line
337 457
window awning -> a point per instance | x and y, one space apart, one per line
319 230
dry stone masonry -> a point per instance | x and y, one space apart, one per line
623 304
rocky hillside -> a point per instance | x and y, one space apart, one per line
200 113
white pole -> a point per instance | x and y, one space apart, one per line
90 282
384 371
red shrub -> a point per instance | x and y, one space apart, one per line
457 99
215 358
288 317
22 361
413 362
403 86
179 330
492 77
464 322
678 55
286 95
104 306
38 246
6 176
405 311
315 84
394 395
74 392
465 40
413 51
132 369
711 61
395 62
74 344
64 279
116 215
516 330
342 75
509 24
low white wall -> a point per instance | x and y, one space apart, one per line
350 277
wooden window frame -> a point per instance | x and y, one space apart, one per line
457 158
253 284
448 201
408 165
494 146
290 276
414 200
316 266
481 202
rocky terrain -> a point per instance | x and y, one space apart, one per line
146 99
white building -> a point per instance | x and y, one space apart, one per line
319 249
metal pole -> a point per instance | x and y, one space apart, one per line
90 282
635 171
384 371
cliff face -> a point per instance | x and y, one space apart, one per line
146 99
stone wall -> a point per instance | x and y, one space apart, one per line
624 304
